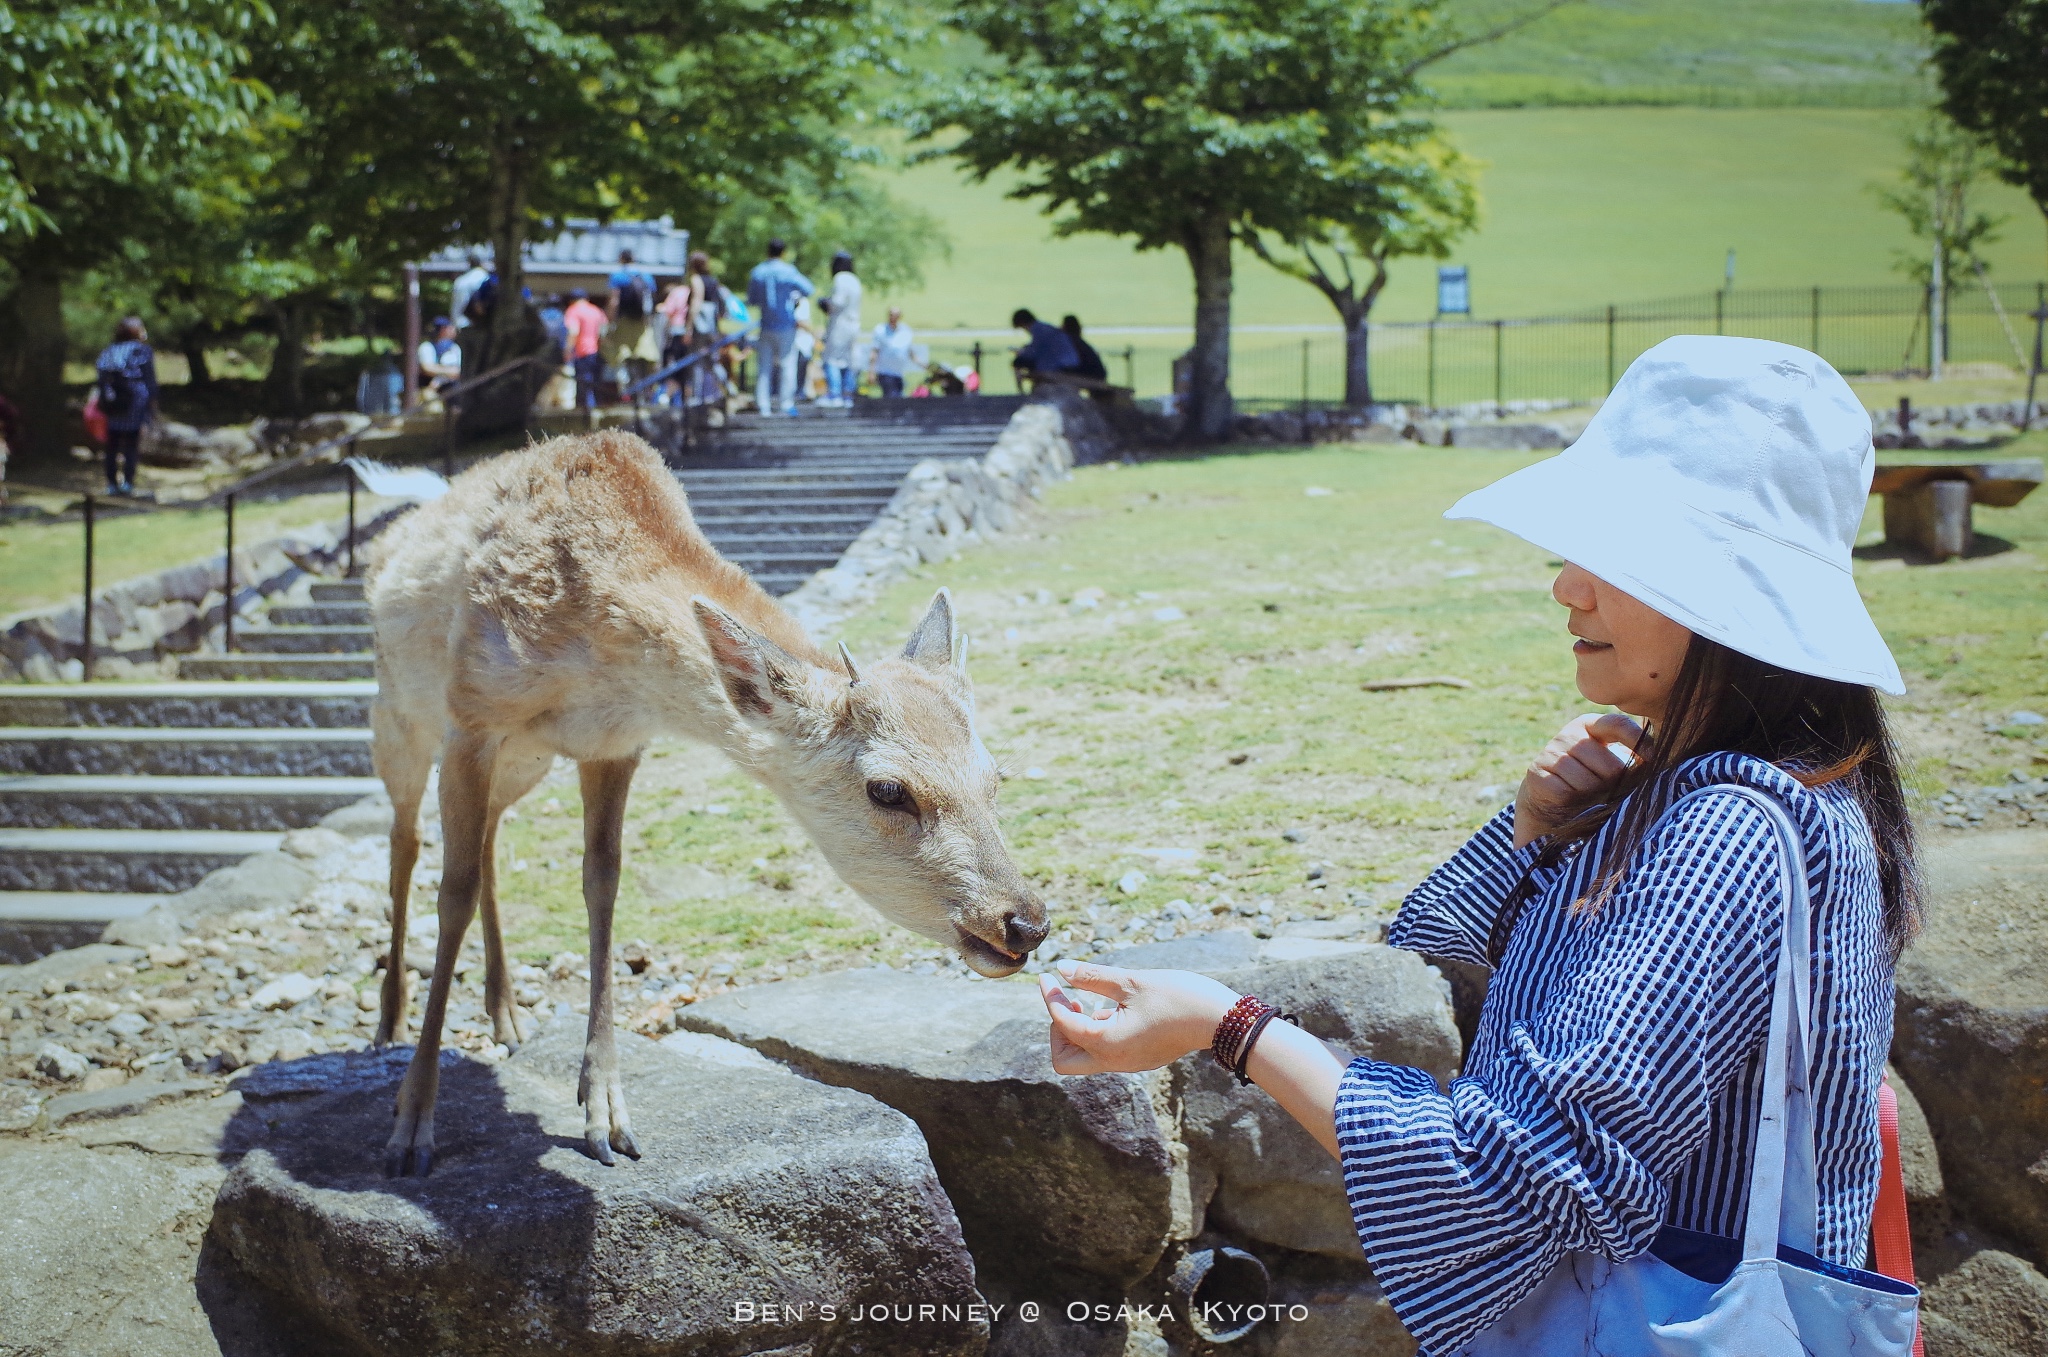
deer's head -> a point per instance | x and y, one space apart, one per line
886 771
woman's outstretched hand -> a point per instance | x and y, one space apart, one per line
1154 1017
1573 769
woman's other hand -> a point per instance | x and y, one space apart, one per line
1153 1017
1574 769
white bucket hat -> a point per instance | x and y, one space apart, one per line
1722 483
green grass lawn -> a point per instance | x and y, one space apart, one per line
42 558
1680 51
1126 728
1581 207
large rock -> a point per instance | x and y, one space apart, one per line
768 1214
98 1250
1979 1301
1050 1175
1972 1027
1263 1176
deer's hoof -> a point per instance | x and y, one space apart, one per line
622 1140
600 1148
413 1161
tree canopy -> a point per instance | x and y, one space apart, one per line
1992 57
1193 123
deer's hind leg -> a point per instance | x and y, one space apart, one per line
466 766
605 1124
404 759
517 773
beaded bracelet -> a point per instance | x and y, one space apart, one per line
1230 1033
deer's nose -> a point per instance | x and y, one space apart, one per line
1020 935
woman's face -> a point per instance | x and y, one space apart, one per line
1628 652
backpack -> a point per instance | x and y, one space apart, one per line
482 301
113 384
735 306
633 300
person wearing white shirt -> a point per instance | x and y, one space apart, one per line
464 287
842 332
440 358
893 340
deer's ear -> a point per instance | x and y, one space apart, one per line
764 681
932 643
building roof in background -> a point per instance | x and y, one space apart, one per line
586 246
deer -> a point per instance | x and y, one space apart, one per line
561 601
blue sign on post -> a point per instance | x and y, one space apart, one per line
1453 290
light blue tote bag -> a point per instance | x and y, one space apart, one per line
1697 1295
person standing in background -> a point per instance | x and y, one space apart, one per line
842 331
126 387
629 342
464 287
1088 361
806 347
893 340
772 290
584 324
707 306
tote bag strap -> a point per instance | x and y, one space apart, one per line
1783 1198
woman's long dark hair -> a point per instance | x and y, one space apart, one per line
1817 730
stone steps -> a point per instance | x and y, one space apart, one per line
320 615
274 668
208 706
338 591
315 640
142 801
116 793
162 752
121 861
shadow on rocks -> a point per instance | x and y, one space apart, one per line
312 1248
768 1213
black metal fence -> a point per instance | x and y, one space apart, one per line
1861 330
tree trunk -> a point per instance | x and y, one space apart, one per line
36 382
193 345
1208 416
1357 355
508 237
284 387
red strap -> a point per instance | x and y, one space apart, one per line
1891 1241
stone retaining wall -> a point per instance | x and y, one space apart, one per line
944 506
138 623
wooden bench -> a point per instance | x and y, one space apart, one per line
1101 390
1927 506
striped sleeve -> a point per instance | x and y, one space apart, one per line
1452 913
1464 1201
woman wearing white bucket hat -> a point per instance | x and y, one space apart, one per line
1665 1138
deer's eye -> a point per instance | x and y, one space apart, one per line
890 795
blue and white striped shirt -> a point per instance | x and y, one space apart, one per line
1612 1086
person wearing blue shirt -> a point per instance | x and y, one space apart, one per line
126 386
1049 350
772 290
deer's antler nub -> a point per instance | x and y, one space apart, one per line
846 658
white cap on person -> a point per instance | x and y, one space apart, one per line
1722 483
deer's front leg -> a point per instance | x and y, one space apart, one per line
605 1124
465 789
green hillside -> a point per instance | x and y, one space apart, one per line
1724 53
1581 207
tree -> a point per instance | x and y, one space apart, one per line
435 122
1193 123
95 100
1420 198
1943 164
1992 59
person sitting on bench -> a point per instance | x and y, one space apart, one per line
1088 363
1049 350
